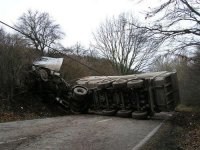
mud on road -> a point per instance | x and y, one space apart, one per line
78 132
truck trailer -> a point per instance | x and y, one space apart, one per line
139 96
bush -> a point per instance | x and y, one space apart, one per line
15 56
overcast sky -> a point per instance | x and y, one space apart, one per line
78 18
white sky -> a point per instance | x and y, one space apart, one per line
77 18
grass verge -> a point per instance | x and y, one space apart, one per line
180 132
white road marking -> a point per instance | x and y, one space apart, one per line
143 141
103 120
10 141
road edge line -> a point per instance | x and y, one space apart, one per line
144 141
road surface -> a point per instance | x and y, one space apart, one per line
77 132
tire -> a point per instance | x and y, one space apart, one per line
139 115
124 113
74 108
104 84
98 112
103 112
121 83
43 74
79 93
135 84
110 112
92 111
79 108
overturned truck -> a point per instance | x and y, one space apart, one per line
139 95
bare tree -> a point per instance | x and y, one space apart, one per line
178 20
79 50
40 28
128 48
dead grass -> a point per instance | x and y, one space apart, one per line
185 108
6 117
180 132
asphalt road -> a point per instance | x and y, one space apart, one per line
77 132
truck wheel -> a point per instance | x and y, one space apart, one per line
74 110
121 83
98 112
110 112
135 84
43 74
79 93
139 115
85 108
124 113
77 107
104 84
